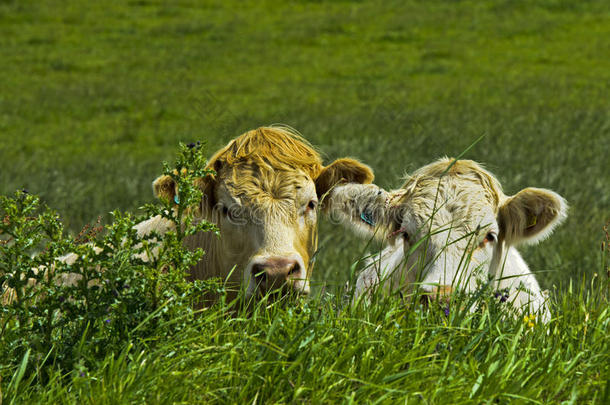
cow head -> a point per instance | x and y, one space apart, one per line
264 199
450 222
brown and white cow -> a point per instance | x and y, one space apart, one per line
451 226
264 200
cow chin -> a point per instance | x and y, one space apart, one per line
276 276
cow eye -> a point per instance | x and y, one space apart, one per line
490 237
233 213
229 213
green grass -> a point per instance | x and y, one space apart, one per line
390 352
94 95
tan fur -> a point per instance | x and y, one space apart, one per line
164 187
343 170
264 179
271 147
252 158
526 216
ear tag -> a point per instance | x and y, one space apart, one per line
366 217
176 199
531 221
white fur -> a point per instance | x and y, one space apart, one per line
444 218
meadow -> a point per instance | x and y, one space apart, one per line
95 95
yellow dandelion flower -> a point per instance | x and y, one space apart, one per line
530 320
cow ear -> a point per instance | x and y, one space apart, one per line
164 187
359 207
342 170
530 215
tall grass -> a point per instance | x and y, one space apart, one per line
326 351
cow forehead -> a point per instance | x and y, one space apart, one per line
250 185
275 148
462 193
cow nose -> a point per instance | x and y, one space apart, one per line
273 273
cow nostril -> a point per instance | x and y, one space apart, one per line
294 270
259 273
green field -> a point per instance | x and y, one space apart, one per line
95 95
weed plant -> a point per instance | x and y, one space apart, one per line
68 304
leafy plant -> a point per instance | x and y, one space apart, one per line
67 304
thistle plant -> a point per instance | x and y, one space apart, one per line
68 301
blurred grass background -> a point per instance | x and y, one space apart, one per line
95 95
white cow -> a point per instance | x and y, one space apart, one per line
450 227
